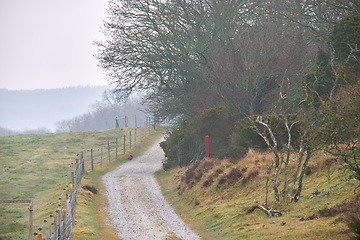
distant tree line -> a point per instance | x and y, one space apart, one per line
108 113
102 115
8 132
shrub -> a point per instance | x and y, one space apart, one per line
244 136
251 176
338 130
90 188
195 172
186 143
231 178
209 181
309 170
353 223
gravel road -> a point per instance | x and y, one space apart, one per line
137 207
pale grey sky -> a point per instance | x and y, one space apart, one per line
50 43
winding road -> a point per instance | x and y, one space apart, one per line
137 207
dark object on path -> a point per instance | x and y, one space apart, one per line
130 157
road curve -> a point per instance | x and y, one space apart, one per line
137 207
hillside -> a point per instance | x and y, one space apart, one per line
217 198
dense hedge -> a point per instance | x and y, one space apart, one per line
186 143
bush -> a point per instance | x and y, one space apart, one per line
208 181
195 172
244 136
338 129
231 178
251 176
353 223
186 143
90 188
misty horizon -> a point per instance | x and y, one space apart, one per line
23 110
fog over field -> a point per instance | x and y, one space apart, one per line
32 109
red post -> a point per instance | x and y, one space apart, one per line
206 146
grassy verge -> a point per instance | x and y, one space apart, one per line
92 221
220 207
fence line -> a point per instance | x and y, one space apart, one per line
96 155
64 219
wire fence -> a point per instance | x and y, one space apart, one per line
64 219
62 222
107 151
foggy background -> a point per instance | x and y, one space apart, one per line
66 110
48 69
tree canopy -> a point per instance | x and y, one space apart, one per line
189 55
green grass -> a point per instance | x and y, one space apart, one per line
221 212
39 167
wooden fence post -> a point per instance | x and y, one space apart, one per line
116 149
48 232
101 157
124 144
30 220
130 139
72 181
109 151
59 219
92 160
76 164
82 160
56 233
135 138
67 204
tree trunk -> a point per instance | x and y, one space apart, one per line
270 212
282 193
298 193
267 183
300 157
276 185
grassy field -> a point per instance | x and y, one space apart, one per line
218 206
39 167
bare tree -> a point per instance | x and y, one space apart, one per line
191 55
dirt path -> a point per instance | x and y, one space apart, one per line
137 207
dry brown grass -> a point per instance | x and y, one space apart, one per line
218 198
